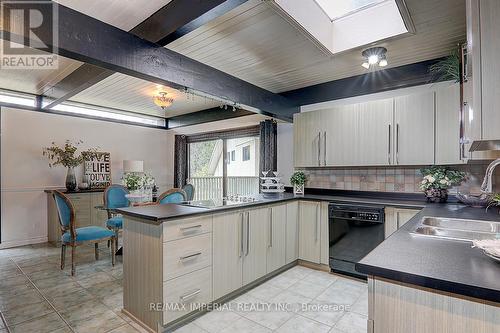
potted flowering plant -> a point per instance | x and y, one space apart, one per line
67 157
437 180
298 181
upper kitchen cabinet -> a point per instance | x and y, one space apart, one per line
414 129
341 136
308 130
482 89
448 148
376 132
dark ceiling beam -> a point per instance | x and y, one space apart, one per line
205 116
170 22
89 40
196 22
369 83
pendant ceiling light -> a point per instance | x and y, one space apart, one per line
162 100
375 56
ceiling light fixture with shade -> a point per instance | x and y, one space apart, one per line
162 100
375 56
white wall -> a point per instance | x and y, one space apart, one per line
25 172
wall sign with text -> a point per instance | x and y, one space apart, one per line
97 170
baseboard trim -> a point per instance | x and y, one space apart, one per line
23 242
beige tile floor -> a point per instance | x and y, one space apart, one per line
36 296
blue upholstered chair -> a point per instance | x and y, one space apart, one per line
114 197
175 195
73 236
189 190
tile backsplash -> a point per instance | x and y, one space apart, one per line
386 179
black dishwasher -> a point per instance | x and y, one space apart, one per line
354 230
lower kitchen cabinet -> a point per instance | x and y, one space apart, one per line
276 247
227 253
395 218
325 241
292 232
255 245
310 231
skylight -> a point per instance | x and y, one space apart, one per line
336 9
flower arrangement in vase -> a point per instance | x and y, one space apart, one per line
67 156
437 180
298 180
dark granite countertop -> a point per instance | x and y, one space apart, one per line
446 265
160 213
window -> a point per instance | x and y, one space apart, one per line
339 8
216 171
246 153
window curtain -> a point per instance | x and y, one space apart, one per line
180 161
268 146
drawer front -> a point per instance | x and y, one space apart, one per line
183 293
186 255
186 228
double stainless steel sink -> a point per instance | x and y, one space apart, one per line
457 229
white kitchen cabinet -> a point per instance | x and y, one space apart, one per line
310 231
448 125
376 135
276 246
292 232
227 253
308 131
395 218
340 137
255 244
324 235
414 129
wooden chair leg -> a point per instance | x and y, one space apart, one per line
116 239
73 260
63 255
96 249
113 250
108 243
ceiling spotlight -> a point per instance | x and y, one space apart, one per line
374 56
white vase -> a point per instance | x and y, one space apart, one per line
298 190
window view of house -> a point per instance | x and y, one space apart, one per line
206 167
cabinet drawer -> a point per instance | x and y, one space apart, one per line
186 255
186 291
186 228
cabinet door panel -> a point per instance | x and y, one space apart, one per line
227 253
375 132
256 233
292 232
414 129
307 130
277 237
490 86
448 125
342 137
309 231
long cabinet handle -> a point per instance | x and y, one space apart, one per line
324 148
316 231
397 143
319 148
270 227
190 295
248 233
397 219
184 229
241 236
190 256
389 146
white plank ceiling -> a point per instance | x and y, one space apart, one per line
255 44
128 93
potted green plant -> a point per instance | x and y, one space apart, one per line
138 183
68 157
495 202
437 180
298 181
